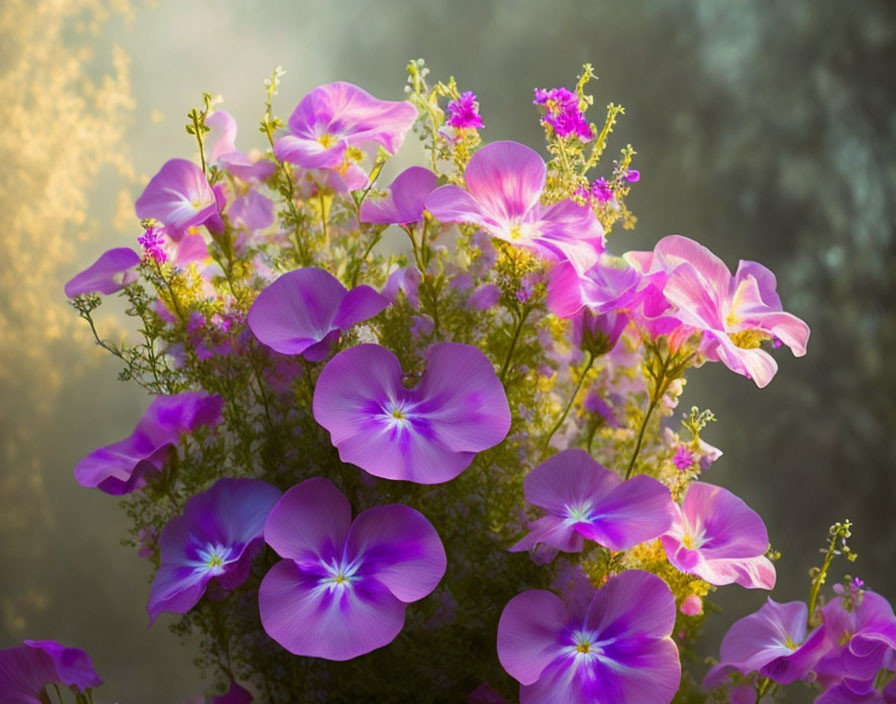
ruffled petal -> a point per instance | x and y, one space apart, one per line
528 634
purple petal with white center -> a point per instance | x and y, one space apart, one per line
113 271
406 199
310 522
307 306
342 592
400 548
429 434
772 641
617 650
314 620
582 496
121 467
716 536
216 537
178 196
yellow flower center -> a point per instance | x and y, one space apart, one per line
327 141
749 339
584 647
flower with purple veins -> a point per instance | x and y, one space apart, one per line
123 467
774 642
717 537
305 311
611 645
336 118
343 585
179 197
504 182
562 113
463 112
405 201
217 536
585 500
428 434
113 271
27 670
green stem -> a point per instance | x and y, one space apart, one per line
631 464
572 398
820 578
762 688
516 336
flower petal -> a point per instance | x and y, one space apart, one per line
528 634
506 179
400 548
113 271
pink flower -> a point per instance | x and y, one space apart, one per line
692 287
463 113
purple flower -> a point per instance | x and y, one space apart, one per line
253 210
153 243
343 587
610 285
683 458
612 647
773 642
337 117
428 434
27 670
406 280
463 113
121 467
599 333
505 181
225 154
113 271
484 297
562 113
633 175
601 191
178 196
304 312
717 537
585 500
216 537
407 196
858 634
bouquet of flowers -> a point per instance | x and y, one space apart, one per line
422 442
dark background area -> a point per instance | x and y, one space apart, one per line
764 130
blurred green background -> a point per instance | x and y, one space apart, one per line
764 130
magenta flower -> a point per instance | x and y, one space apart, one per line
611 284
585 500
612 647
122 467
773 642
178 196
859 635
505 181
113 271
601 191
26 671
217 536
227 156
734 313
406 199
304 312
428 434
343 587
336 117
562 113
153 243
717 537
463 113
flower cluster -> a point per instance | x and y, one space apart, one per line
451 470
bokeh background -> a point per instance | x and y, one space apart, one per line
765 130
